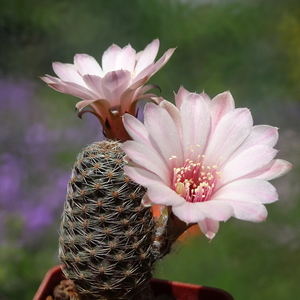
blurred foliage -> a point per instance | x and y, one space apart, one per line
23 267
251 48
244 48
263 267
289 30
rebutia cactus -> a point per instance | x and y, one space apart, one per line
108 240
106 235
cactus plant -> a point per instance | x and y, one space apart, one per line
106 234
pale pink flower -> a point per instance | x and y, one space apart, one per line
205 159
113 89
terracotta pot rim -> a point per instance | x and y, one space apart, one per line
180 290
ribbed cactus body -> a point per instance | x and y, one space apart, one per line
105 234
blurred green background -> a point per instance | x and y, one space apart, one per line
251 48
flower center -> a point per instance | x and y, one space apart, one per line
194 181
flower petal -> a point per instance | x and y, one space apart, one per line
195 125
74 89
99 107
114 84
230 133
156 118
131 95
247 190
142 176
260 135
145 73
163 60
51 79
109 58
272 170
86 64
147 56
254 212
181 95
67 72
220 106
209 227
246 162
126 59
161 194
147 159
136 129
93 82
205 97
195 212
175 115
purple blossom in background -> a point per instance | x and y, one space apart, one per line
33 174
10 178
16 96
49 198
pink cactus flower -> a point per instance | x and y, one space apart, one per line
204 159
113 89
